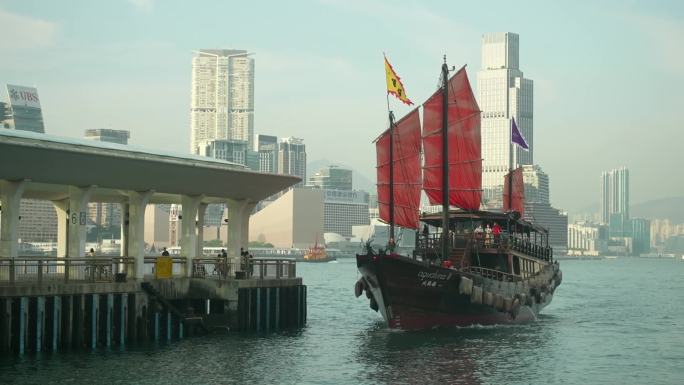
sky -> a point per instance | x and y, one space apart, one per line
608 76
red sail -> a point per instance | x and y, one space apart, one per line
406 172
465 159
518 201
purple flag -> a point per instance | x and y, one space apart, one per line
517 138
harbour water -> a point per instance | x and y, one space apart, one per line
618 321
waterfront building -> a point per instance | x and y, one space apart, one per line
615 194
267 148
332 178
23 112
222 97
292 158
640 230
37 221
538 207
588 239
662 229
344 209
157 223
5 115
106 215
294 220
108 135
503 94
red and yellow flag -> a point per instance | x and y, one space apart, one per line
394 85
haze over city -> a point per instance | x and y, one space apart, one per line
607 81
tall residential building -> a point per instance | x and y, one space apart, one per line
108 135
615 194
503 94
332 178
222 101
292 158
106 214
24 112
267 148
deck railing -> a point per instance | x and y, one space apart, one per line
430 244
491 273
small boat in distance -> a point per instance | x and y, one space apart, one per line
317 253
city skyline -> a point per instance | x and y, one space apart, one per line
587 117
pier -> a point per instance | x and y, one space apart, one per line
74 301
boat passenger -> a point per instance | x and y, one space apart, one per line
488 236
496 231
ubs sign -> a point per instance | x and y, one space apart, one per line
20 96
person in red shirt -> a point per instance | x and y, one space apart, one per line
496 230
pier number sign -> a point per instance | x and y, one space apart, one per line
80 219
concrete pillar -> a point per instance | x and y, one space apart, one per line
78 217
10 195
238 229
62 207
201 210
137 202
125 215
188 242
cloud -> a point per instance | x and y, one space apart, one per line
145 6
22 32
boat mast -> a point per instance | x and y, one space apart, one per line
510 167
445 160
391 180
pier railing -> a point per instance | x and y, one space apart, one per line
273 268
52 269
99 269
177 269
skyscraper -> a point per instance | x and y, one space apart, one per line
222 101
615 194
503 94
267 148
292 158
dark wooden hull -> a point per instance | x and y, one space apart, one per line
412 294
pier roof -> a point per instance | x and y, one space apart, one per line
51 164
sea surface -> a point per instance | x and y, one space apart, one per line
613 321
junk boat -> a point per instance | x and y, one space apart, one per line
469 266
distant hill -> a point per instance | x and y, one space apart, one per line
666 208
359 181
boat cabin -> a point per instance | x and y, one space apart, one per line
499 245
